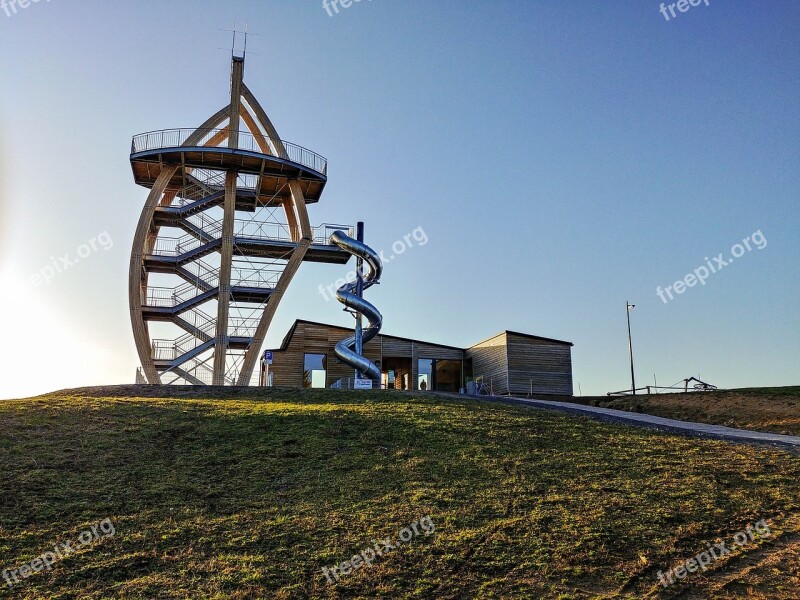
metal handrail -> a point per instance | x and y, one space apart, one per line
203 372
322 233
255 278
246 229
167 349
176 138
170 297
205 273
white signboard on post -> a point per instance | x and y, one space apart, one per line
362 384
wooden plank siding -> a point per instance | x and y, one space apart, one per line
313 338
538 366
490 360
514 363
317 338
518 364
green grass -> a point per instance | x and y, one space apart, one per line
249 494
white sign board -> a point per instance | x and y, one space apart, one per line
362 384
268 356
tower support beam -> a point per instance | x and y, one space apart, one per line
237 81
224 299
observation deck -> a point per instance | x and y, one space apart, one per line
272 161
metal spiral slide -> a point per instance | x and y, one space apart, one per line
345 350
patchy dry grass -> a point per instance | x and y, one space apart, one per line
249 493
776 410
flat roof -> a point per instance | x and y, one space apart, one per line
290 333
525 335
285 343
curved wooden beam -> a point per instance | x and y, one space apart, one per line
253 127
143 240
261 115
210 123
137 279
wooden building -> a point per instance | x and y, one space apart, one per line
509 363
519 364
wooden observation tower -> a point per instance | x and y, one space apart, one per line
222 233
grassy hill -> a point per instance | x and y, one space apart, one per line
776 410
250 493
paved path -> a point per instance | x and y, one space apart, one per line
662 424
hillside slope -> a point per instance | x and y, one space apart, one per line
250 493
776 410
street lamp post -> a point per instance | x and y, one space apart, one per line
630 307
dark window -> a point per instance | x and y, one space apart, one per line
447 377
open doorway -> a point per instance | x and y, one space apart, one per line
396 373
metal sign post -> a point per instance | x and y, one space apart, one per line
266 361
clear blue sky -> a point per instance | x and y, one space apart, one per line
562 157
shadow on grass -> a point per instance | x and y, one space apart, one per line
247 496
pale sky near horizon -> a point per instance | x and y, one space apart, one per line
561 158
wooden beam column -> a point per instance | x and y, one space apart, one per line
224 297
298 254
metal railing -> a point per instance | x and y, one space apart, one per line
253 277
171 297
202 273
322 233
201 371
244 327
262 230
202 183
165 349
243 228
211 227
201 321
250 277
176 138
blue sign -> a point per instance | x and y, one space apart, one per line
268 356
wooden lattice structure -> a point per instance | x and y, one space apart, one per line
224 230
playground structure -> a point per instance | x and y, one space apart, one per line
683 385
351 294
223 232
